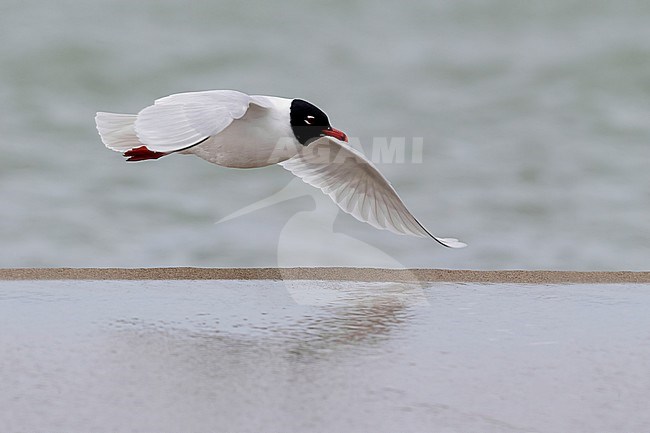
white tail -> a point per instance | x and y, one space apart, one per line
116 131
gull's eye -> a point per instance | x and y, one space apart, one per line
309 120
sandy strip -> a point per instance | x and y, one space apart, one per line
342 274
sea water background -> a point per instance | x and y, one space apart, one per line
535 120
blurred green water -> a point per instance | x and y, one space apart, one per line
535 120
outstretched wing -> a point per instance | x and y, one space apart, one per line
357 187
182 120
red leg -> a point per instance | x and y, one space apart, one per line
142 153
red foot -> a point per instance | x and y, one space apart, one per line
141 153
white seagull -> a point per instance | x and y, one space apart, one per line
233 129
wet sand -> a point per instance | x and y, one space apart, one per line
321 356
327 274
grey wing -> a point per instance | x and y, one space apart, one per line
357 187
182 120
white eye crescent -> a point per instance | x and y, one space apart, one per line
309 120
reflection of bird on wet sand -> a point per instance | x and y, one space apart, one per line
336 314
358 319
271 357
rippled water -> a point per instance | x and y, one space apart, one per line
534 119
310 356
